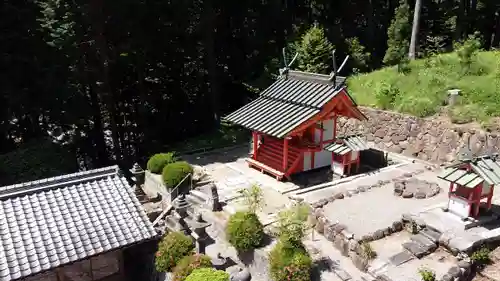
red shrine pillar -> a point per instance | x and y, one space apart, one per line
490 196
477 199
285 154
255 137
334 126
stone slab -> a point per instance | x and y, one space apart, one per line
342 274
431 234
423 241
401 258
415 249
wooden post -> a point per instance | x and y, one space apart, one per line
490 196
285 154
343 164
478 190
255 144
357 163
451 189
334 126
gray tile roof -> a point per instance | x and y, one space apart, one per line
48 223
347 144
484 168
293 99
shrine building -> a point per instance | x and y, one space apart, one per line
471 182
294 125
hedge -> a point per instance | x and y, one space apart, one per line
244 231
158 161
174 173
172 248
189 263
208 274
289 262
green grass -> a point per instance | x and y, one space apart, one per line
423 89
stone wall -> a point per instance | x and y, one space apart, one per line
433 139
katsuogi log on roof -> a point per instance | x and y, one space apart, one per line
294 98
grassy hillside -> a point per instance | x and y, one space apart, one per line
422 90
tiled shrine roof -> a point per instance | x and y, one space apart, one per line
48 223
293 99
485 168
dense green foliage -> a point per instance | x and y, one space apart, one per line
292 223
244 231
189 263
158 161
174 173
423 91
289 262
171 249
208 274
35 160
94 75
398 35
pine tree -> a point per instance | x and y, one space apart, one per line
398 34
314 51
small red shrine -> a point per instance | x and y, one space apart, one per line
294 124
472 181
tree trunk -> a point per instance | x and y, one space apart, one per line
495 42
459 21
414 31
208 23
101 51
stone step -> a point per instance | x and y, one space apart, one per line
424 241
416 249
401 258
432 234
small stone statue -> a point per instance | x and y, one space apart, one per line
216 206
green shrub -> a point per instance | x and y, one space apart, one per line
208 274
367 251
481 257
158 161
189 263
244 231
427 275
171 250
385 95
292 223
289 262
174 173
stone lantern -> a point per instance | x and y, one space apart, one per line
453 96
139 175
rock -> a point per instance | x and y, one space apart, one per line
387 231
420 195
339 195
361 189
408 175
407 217
431 234
367 237
316 205
353 245
338 228
353 191
242 274
320 226
379 234
407 194
323 202
329 232
464 264
331 199
447 277
420 223
455 271
359 262
319 212
397 226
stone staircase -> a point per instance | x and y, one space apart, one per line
421 244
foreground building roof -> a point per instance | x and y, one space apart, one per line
52 222
291 100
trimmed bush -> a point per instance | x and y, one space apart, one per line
175 172
244 231
158 161
208 274
289 262
171 250
189 263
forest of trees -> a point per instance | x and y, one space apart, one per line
115 81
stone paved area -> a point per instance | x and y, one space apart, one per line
375 209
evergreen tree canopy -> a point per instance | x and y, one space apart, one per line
315 51
398 35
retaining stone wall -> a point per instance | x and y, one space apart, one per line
432 139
